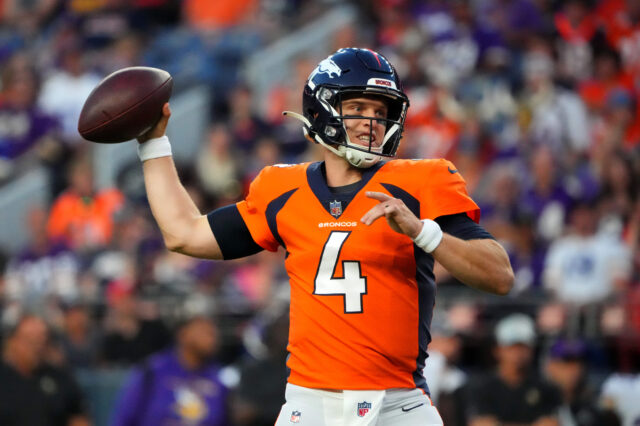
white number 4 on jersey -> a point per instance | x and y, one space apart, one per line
352 285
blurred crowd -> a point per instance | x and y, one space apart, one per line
535 101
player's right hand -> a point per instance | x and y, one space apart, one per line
398 215
160 127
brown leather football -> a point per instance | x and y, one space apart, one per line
125 104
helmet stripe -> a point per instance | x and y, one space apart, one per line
376 56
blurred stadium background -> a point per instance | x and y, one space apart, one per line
535 101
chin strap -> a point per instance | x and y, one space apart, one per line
358 158
355 157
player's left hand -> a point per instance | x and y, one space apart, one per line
398 215
160 127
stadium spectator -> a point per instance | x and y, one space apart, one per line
266 152
180 385
32 391
619 19
44 267
558 118
391 19
499 194
132 327
618 192
255 279
65 89
206 16
518 395
606 77
217 164
544 197
446 379
433 126
521 21
133 248
28 19
620 320
621 128
621 393
80 338
125 51
293 146
259 395
566 367
488 96
245 125
82 216
99 23
452 50
24 128
585 268
576 25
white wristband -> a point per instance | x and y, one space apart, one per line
429 237
154 148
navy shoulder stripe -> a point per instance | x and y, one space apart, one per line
461 226
232 233
272 211
409 200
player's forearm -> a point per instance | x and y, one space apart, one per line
482 264
172 207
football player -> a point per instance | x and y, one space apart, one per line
361 233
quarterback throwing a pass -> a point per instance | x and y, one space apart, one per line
361 235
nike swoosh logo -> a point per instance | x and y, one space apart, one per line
407 409
452 171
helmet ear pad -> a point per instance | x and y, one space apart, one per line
327 122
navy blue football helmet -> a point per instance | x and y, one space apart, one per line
349 73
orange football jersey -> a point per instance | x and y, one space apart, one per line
362 296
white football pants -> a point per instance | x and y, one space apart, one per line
391 407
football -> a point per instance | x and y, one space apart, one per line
125 104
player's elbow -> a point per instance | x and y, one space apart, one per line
176 239
504 281
502 276
174 244
177 233
195 240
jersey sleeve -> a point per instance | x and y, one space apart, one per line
231 233
445 193
253 211
461 226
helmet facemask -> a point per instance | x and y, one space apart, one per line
334 132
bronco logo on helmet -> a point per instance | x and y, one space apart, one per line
327 66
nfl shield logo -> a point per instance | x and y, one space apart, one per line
363 408
335 208
295 417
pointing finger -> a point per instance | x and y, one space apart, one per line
380 196
372 215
